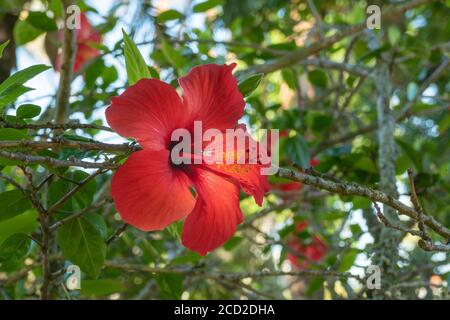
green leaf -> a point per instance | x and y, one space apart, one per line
27 111
206 5
347 260
13 203
24 32
318 78
135 64
81 199
172 56
22 223
314 285
366 164
2 47
15 247
12 134
41 21
394 35
232 243
57 8
169 15
12 87
22 76
248 85
83 244
101 287
171 285
355 229
10 94
297 151
289 78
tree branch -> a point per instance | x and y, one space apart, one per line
353 189
296 56
52 126
92 145
227 275
32 159
68 54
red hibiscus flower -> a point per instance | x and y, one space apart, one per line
86 36
149 190
301 254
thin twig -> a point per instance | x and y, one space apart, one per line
69 194
117 233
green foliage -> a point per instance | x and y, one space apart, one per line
135 63
14 202
3 46
13 87
41 21
206 5
82 241
169 15
14 248
249 84
297 151
25 32
27 111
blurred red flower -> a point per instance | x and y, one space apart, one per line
300 253
86 37
149 190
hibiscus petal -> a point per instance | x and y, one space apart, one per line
248 176
84 53
149 193
247 172
211 95
216 213
148 111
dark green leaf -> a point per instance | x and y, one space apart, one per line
206 5
248 85
12 134
171 285
22 76
22 223
27 111
41 21
10 94
318 78
314 285
297 150
101 287
24 32
169 15
13 203
15 247
232 243
83 244
57 8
